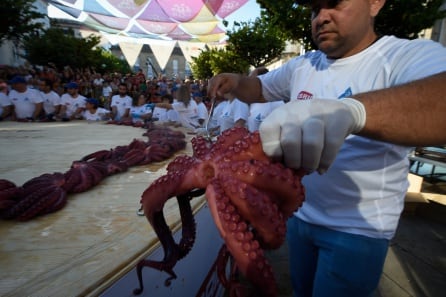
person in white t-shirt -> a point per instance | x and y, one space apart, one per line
185 107
93 112
214 126
121 104
234 113
72 104
28 103
358 105
201 107
107 92
5 104
97 84
51 100
164 115
259 111
141 111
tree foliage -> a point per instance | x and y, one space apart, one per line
257 42
402 18
250 44
19 18
407 18
64 49
214 61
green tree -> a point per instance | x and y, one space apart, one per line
257 42
64 49
402 18
224 60
214 61
19 18
201 65
249 44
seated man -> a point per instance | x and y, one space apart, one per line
28 103
5 104
72 103
93 112
51 100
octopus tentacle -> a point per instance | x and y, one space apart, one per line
39 195
116 166
250 197
269 177
101 155
172 251
134 157
42 201
9 193
256 207
188 221
250 258
90 174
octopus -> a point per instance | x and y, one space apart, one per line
40 195
48 192
250 197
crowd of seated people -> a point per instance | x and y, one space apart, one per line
48 94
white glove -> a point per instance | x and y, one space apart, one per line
309 133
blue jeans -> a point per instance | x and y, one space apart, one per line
325 262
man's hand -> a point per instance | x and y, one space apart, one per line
309 133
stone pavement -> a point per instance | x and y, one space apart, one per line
416 262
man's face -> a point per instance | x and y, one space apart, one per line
122 90
72 92
341 28
19 87
43 87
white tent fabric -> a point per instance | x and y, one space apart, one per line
131 51
191 20
191 49
160 24
162 52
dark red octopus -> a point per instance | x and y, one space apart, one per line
249 195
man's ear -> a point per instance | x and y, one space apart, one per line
375 7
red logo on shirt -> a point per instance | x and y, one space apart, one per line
304 95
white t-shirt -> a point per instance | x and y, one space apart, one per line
232 112
25 103
188 115
202 111
122 104
50 101
71 103
259 111
216 114
4 101
98 82
99 115
165 115
363 191
107 90
137 111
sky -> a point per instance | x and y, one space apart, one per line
248 12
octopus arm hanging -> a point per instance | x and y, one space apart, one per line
250 197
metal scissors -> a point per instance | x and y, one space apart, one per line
211 112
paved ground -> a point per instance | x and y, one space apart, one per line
416 262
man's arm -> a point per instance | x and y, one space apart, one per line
240 123
413 114
38 110
246 88
309 133
7 111
126 113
